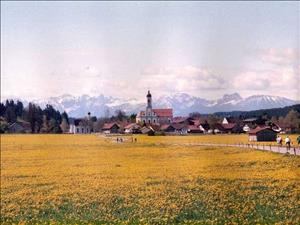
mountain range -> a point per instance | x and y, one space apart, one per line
182 104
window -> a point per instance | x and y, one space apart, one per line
77 130
82 129
149 121
153 121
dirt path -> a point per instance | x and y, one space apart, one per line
278 149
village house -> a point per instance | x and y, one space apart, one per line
183 120
232 125
154 116
180 128
175 128
111 128
204 127
168 128
228 120
147 130
262 134
132 128
193 129
79 126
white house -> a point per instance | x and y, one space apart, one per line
80 126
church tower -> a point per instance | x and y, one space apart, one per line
149 100
149 108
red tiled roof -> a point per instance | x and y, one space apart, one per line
196 122
193 127
155 127
109 125
163 112
258 129
180 119
229 126
179 126
165 126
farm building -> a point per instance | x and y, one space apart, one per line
262 134
111 128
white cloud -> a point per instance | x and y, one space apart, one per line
281 78
187 79
280 57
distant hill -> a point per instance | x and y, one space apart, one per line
257 113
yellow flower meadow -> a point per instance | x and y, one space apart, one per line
92 179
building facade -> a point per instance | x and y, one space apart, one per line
154 116
79 126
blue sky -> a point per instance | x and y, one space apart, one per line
205 49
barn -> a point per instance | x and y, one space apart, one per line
262 134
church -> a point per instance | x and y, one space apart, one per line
154 116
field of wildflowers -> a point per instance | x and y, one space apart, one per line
81 179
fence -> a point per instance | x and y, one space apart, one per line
295 150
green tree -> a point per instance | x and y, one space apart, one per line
64 125
292 120
132 118
212 122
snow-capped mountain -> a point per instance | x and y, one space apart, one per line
182 104
97 105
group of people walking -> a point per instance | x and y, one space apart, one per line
287 141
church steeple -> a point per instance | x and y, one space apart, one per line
149 100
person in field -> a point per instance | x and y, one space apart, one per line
279 140
298 140
288 142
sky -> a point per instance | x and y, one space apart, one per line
122 49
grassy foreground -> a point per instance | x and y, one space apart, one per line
91 179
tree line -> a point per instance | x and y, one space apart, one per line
276 112
47 120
